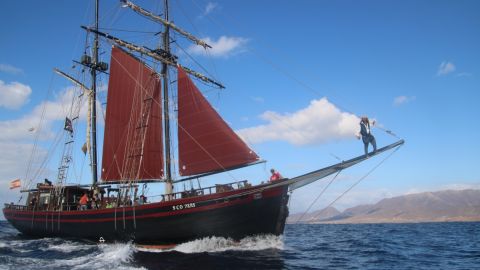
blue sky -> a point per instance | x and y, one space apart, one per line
411 65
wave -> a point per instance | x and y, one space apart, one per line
221 244
55 253
24 245
107 256
67 247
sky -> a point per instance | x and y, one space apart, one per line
298 74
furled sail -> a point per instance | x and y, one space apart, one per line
133 141
205 142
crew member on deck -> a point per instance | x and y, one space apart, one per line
33 202
275 175
143 199
367 136
83 201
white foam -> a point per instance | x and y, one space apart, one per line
43 244
108 256
220 244
22 246
68 247
20 262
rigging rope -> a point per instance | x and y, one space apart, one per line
388 131
292 78
361 179
318 197
197 31
37 136
285 55
173 116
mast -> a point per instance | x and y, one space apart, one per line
166 22
166 108
164 56
94 97
158 55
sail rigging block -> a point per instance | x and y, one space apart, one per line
133 140
205 142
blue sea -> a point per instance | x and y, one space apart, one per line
316 246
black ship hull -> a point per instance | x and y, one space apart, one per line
235 214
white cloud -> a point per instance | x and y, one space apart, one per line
13 164
18 129
16 136
223 47
47 112
258 99
14 158
449 186
14 95
320 122
400 100
463 74
209 8
10 69
459 186
445 68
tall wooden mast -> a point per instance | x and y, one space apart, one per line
94 97
166 108
162 55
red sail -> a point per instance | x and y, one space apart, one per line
133 142
205 142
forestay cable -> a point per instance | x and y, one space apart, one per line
361 178
318 197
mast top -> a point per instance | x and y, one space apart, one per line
165 22
155 54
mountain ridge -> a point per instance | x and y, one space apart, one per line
438 206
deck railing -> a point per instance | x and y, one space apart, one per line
15 207
218 188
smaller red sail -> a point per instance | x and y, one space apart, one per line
205 142
133 141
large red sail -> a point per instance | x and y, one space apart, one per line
205 142
133 142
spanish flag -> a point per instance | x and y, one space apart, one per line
15 184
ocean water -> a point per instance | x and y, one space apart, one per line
357 246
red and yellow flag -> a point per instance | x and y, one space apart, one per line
15 184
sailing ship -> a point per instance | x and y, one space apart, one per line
137 151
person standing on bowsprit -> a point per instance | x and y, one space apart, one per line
367 136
